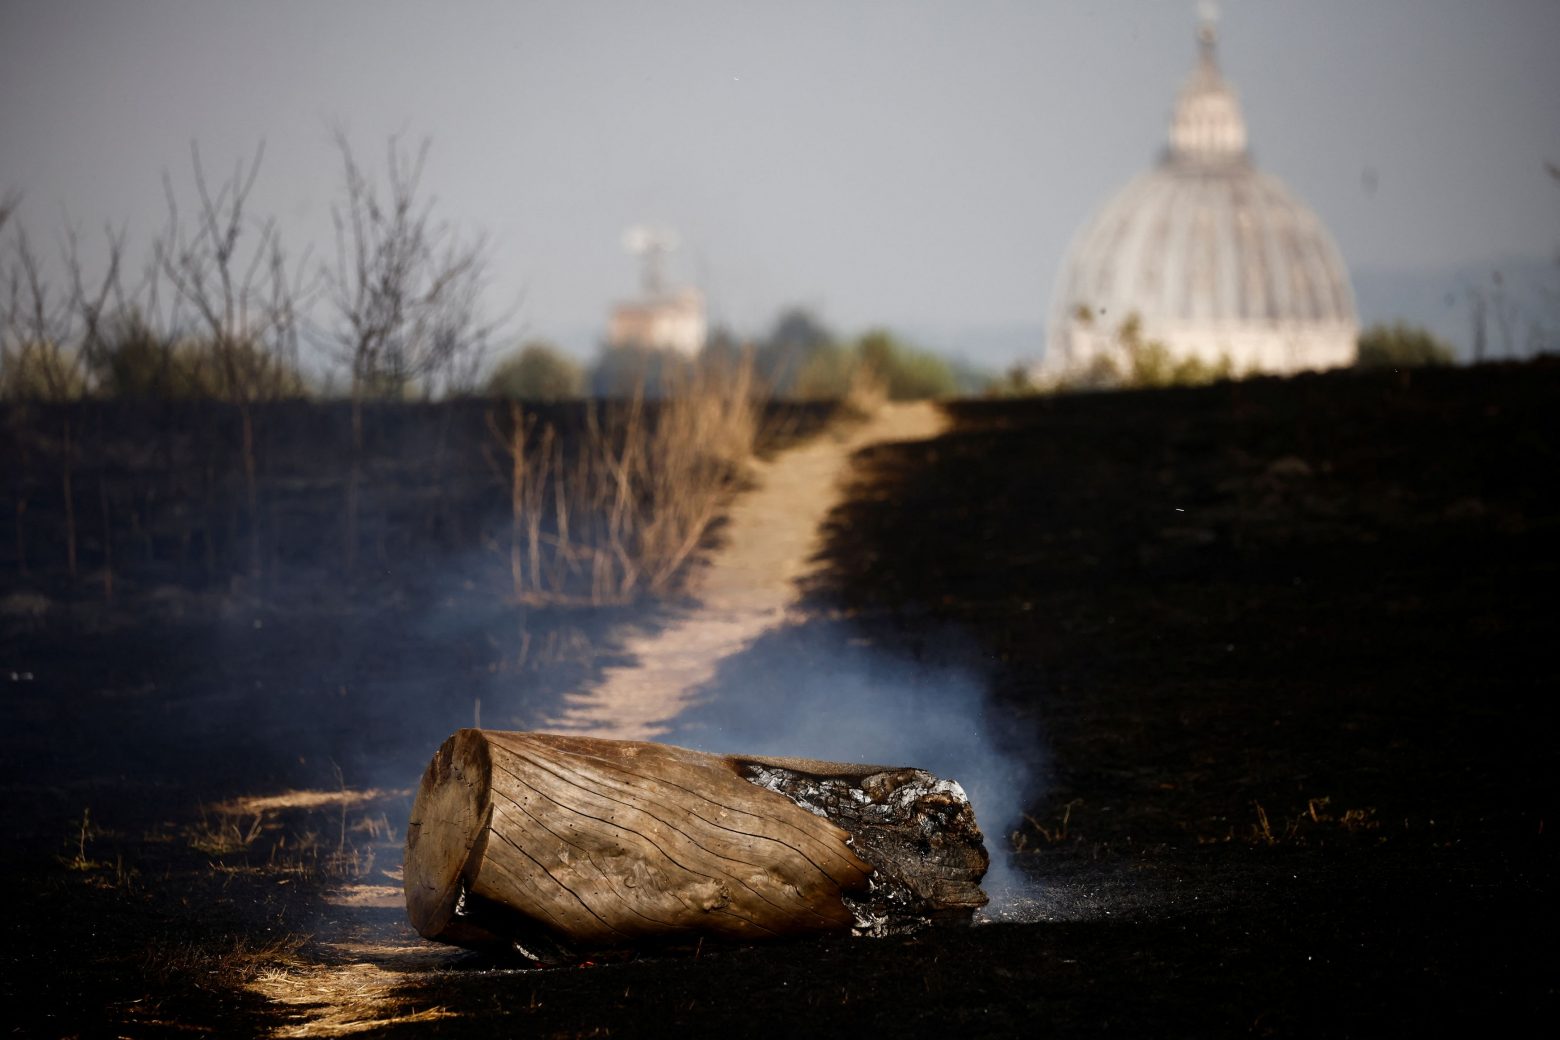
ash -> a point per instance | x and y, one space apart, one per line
917 832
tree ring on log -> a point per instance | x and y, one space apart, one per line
447 834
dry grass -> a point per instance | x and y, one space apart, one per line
98 873
80 861
622 517
352 988
220 832
1052 835
300 834
220 968
326 984
312 799
1315 823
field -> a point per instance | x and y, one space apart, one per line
1261 672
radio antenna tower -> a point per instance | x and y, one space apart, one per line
651 245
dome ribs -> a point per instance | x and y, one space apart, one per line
1216 258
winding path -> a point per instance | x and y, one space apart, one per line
749 585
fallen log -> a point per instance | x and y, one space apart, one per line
555 845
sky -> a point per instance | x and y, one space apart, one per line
916 165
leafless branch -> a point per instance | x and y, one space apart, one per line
10 202
95 304
36 355
406 288
232 272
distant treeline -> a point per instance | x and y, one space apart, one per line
160 428
395 307
799 359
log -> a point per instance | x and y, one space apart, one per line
559 845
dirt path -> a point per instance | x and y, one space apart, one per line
747 587
353 983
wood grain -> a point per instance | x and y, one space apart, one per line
538 839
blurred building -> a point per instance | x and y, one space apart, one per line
661 318
668 321
1217 259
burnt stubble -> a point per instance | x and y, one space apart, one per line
1286 646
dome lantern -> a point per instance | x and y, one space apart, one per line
1207 126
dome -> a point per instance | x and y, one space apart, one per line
1216 259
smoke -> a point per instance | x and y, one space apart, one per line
374 692
825 690
364 686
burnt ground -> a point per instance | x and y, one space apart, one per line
1279 656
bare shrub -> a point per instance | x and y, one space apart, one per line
539 371
43 353
1401 345
234 275
406 289
47 342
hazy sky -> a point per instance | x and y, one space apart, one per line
922 165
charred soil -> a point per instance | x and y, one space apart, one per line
1285 644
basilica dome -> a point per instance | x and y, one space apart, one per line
1217 260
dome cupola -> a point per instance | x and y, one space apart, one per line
1207 127
1215 259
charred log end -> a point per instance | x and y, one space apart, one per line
445 838
916 830
542 844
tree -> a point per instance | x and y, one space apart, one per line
137 361
825 375
1401 345
1150 362
1016 381
46 339
406 289
907 374
41 356
1133 361
723 347
234 275
538 372
630 371
803 360
45 344
798 335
